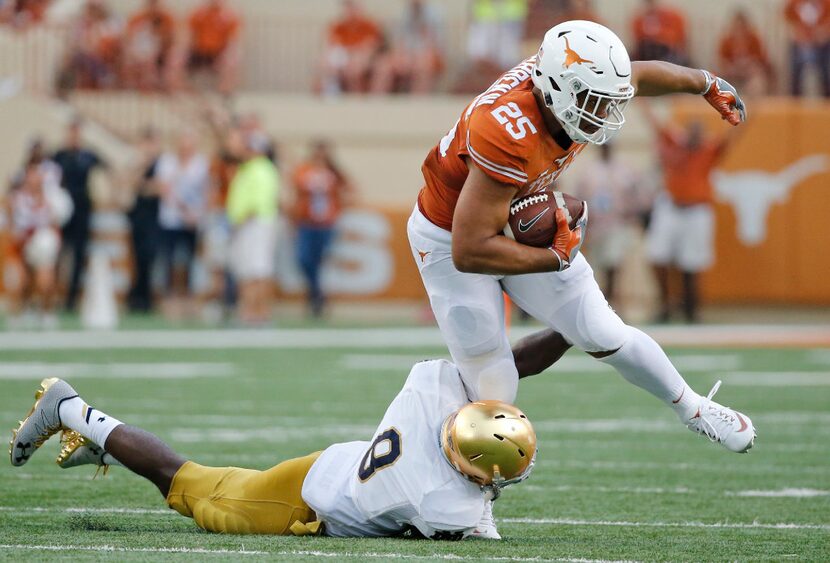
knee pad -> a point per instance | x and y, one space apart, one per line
475 331
594 327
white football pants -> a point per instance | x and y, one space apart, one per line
469 309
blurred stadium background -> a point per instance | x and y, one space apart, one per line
170 98
67 61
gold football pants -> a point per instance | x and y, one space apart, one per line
243 501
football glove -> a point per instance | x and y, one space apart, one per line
722 96
566 242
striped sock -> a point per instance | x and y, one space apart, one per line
88 421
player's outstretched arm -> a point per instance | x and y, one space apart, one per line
659 78
478 223
535 353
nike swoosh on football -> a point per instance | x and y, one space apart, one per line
525 227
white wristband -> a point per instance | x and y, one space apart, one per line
562 264
709 81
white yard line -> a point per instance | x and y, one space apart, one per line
77 370
600 489
78 509
113 548
820 356
293 553
620 466
780 493
777 379
624 524
414 337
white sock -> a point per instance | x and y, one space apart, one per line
642 362
88 421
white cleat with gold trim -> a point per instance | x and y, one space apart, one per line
42 422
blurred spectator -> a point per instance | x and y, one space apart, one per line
682 225
809 22
183 182
250 124
37 155
252 208
34 212
743 57
541 16
144 222
95 50
77 164
496 30
221 294
660 34
351 48
414 61
148 47
23 13
214 42
320 192
610 188
579 10
544 14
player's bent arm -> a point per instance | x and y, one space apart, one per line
479 220
535 353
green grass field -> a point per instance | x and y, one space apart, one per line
618 478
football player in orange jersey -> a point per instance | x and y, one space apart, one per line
517 138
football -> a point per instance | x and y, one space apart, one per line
532 220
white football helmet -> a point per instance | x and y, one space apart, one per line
584 74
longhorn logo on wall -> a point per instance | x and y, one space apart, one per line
751 193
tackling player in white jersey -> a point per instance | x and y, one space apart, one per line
435 462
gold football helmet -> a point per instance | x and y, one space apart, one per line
490 442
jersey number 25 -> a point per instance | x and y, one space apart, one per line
506 115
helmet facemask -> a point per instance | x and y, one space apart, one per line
593 116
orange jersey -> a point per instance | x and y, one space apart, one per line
809 20
161 23
742 48
212 30
662 25
686 171
354 33
503 132
318 195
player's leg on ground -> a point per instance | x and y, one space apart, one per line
144 454
58 406
469 310
137 450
